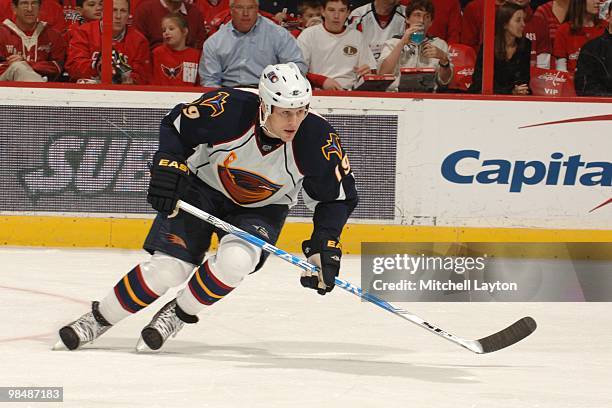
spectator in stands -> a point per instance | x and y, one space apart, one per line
70 12
447 24
402 52
50 12
551 15
130 58
337 56
512 54
237 53
309 15
209 9
473 23
85 11
594 68
536 30
379 21
541 45
6 10
473 19
149 14
581 25
282 10
89 10
30 50
174 63
53 13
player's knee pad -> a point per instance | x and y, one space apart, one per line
162 272
234 260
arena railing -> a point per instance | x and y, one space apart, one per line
487 76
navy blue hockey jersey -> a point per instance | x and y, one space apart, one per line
220 138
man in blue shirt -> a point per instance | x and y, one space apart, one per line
237 54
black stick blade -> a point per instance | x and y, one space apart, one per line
510 335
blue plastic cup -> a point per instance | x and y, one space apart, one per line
417 37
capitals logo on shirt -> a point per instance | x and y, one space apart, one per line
171 72
244 186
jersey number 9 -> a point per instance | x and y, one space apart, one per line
343 169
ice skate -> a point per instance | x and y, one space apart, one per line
164 324
84 330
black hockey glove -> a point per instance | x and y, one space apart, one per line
325 254
169 181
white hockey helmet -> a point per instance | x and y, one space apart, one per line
283 85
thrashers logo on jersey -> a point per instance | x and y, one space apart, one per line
172 72
245 187
332 146
216 103
175 239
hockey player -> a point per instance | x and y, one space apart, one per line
244 158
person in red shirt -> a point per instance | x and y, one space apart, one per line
472 23
541 45
53 13
209 9
581 25
131 60
552 15
50 12
29 50
473 20
84 12
148 17
175 64
447 24
309 15
6 10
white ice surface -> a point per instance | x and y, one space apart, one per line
273 344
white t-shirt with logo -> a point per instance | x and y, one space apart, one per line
364 19
411 58
335 55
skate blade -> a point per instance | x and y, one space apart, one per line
141 347
59 346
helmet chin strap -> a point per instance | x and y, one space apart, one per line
263 118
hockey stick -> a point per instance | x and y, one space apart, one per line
497 341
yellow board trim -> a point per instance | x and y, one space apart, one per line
129 233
